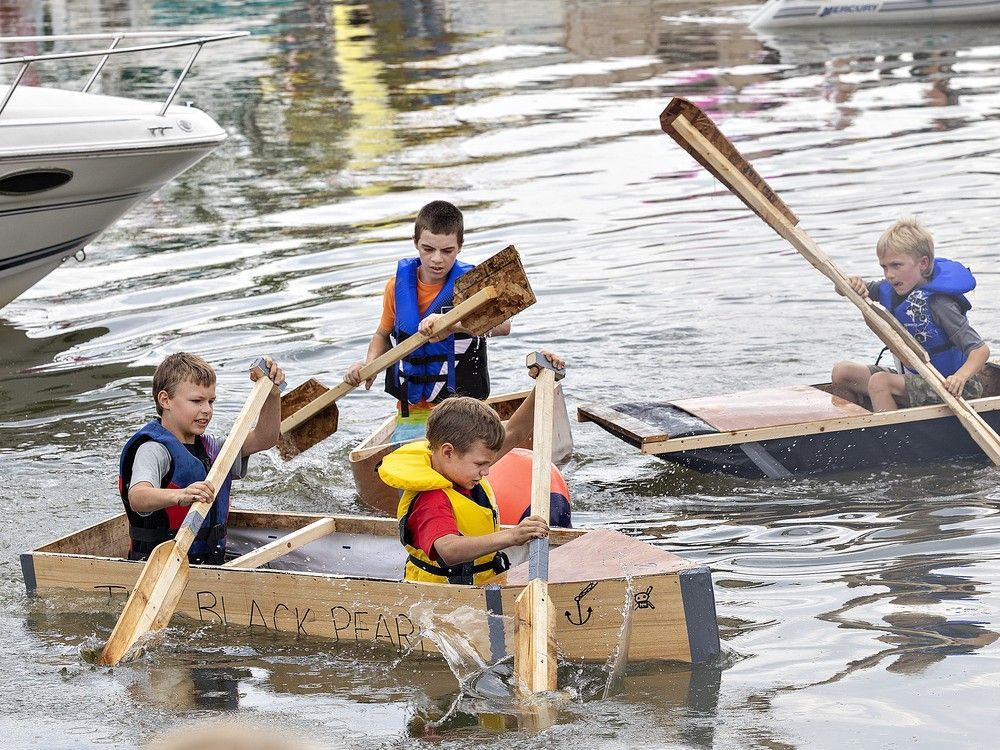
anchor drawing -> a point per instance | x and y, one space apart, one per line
580 619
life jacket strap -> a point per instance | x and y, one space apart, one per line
426 379
426 359
464 573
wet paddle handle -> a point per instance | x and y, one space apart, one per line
391 357
230 452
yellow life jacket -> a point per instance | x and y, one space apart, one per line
409 469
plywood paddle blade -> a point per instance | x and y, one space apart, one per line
535 650
680 107
505 272
313 430
151 603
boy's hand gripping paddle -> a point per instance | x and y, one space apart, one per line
535 652
162 580
485 297
695 132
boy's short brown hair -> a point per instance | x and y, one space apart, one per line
462 421
439 217
177 368
910 237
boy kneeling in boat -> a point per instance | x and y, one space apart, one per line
422 289
448 516
927 297
163 466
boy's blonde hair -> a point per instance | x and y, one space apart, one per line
907 236
462 421
176 369
440 217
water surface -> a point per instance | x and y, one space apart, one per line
858 609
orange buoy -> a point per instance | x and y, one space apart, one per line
510 478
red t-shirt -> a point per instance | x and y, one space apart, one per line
432 518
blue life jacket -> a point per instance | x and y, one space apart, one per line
148 531
914 312
433 372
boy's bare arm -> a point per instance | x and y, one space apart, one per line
521 425
426 324
145 498
973 364
455 549
379 345
266 432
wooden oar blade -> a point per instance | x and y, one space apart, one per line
692 114
535 639
318 427
505 272
151 603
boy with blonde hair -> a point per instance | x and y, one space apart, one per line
421 290
927 296
164 465
448 516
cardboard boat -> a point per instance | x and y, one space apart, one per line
793 431
339 578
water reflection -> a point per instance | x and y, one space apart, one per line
916 637
177 688
539 118
39 380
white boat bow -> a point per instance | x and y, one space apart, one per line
72 162
830 13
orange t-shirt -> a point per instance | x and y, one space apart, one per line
426 294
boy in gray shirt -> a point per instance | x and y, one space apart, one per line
927 297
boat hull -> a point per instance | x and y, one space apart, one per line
887 13
937 440
795 431
114 154
365 459
669 601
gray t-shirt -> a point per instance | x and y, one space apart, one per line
152 462
948 314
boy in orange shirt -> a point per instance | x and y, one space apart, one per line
421 290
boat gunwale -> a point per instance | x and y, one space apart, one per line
652 443
388 526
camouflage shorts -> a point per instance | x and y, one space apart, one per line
920 392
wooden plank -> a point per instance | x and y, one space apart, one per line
535 645
769 407
627 427
284 545
109 536
875 419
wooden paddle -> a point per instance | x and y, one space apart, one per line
699 136
535 650
154 598
492 292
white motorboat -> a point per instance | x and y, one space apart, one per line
72 162
829 13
